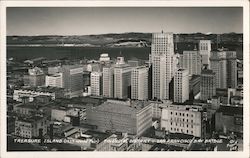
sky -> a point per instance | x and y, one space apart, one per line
100 20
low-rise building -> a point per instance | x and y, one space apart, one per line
186 119
30 127
121 116
31 93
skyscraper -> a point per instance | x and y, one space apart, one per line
205 50
162 51
139 83
122 79
73 79
207 84
96 83
108 81
224 64
192 62
181 86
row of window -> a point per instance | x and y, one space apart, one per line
180 130
181 114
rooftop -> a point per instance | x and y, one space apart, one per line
31 119
231 110
125 107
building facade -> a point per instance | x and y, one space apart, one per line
30 127
181 86
139 83
183 119
162 51
96 83
192 62
121 116
55 80
205 50
73 80
207 84
122 79
224 64
108 82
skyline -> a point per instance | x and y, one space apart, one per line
102 20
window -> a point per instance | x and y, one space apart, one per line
192 115
171 123
187 125
187 115
171 112
176 113
192 126
187 131
187 120
191 121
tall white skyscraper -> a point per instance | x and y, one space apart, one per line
108 81
192 62
205 50
162 51
139 83
122 79
96 83
181 86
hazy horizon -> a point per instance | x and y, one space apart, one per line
63 21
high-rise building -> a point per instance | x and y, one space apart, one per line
205 50
181 86
35 77
108 81
162 51
192 62
73 80
207 84
96 83
224 64
55 80
122 79
139 83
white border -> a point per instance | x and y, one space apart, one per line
178 3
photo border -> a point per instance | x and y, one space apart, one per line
183 3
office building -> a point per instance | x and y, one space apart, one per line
224 64
205 50
35 77
207 84
162 51
122 79
30 127
55 80
108 81
192 62
139 83
186 119
73 80
121 116
96 83
181 86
